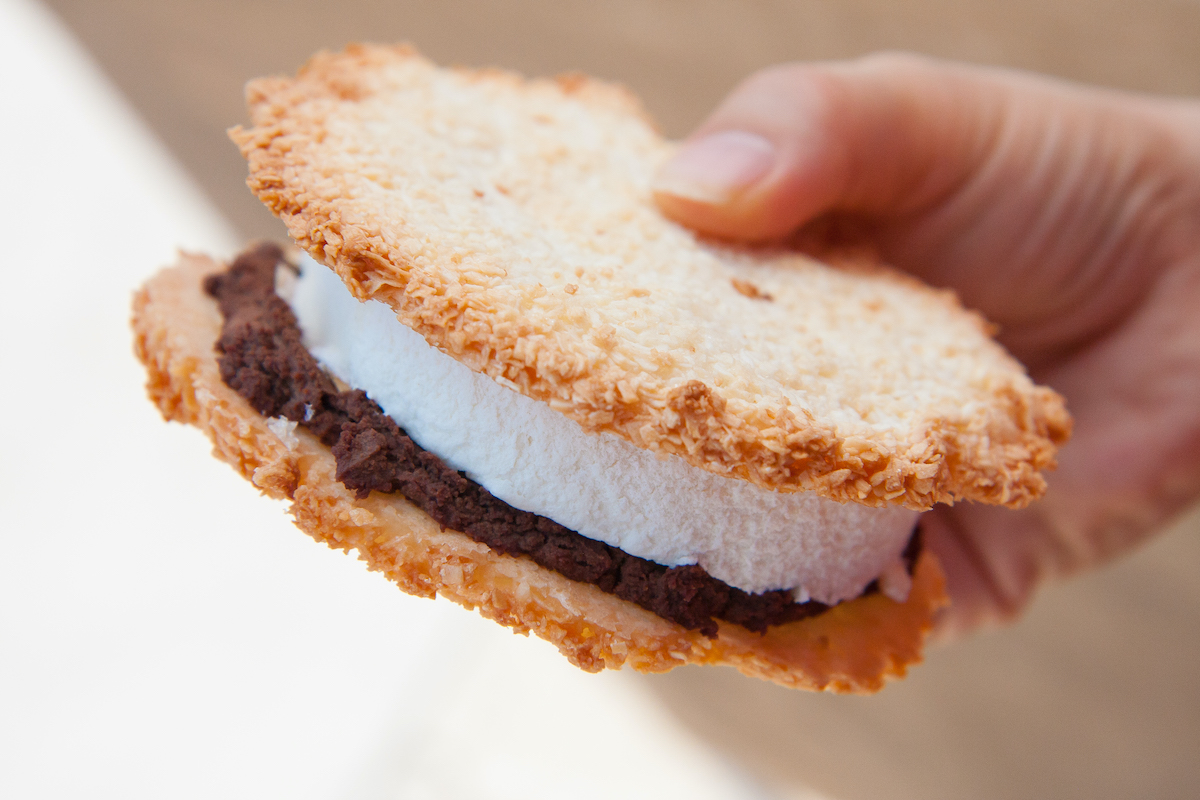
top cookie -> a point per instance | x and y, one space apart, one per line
511 223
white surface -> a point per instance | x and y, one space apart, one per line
164 632
534 458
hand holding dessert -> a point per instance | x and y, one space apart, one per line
1068 215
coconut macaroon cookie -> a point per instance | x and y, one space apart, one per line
531 393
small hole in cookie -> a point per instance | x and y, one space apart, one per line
749 290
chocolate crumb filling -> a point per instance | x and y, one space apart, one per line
263 359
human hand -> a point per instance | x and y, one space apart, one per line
1068 215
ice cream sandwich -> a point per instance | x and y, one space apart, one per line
501 375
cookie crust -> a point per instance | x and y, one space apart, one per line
568 333
854 647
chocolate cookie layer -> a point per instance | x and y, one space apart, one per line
264 360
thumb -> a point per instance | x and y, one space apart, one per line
885 136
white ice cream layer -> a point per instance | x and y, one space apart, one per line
601 486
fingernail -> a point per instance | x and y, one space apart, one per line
717 167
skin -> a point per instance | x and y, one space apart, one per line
1069 215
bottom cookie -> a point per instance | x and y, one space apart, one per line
853 647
